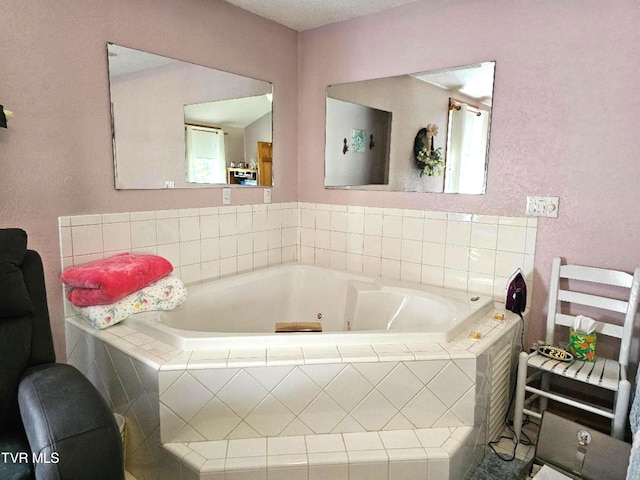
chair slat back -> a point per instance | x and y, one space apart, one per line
595 276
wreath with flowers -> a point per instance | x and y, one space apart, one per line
428 159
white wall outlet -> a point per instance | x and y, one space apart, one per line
226 196
542 206
267 195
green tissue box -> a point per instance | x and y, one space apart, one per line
582 345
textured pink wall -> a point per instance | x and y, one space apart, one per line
55 158
565 118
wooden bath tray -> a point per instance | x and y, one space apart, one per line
291 327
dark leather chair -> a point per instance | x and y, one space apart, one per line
53 423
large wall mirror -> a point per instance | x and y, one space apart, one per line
180 125
421 132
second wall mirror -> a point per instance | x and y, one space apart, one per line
180 125
382 133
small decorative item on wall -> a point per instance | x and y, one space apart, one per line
428 159
345 147
371 142
4 114
358 140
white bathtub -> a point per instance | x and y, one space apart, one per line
241 311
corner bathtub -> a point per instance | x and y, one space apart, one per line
241 311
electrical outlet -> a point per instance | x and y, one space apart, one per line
542 206
267 195
226 196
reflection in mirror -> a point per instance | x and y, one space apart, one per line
180 125
400 153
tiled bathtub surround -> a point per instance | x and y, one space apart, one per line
466 252
201 243
475 253
187 400
391 388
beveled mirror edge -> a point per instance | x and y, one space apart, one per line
118 186
385 187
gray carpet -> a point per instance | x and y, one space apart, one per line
493 468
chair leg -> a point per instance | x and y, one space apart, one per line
619 421
545 383
521 380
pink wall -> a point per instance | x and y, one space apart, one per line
55 158
564 123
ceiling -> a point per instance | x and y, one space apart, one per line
306 14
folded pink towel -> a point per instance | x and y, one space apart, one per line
107 281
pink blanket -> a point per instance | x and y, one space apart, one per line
107 281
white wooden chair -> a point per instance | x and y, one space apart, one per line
604 373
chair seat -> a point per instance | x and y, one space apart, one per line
604 372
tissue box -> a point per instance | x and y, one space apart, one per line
582 345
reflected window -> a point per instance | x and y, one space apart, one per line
467 133
205 155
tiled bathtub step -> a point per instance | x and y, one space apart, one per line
424 454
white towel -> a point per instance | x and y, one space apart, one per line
165 294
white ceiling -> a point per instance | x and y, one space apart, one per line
305 14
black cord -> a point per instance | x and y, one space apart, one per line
527 420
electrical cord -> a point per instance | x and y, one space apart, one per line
523 441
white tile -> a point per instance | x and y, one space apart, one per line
244 221
274 238
391 248
323 239
531 241
189 228
209 226
390 269
269 377
482 260
227 224
391 226
435 230
190 252
325 472
511 238
373 470
215 421
515 221
86 239
250 447
450 384
171 252
374 411
323 414
270 417
433 437
355 222
210 270
354 263
372 245
307 237
228 246
405 470
323 220
484 235
307 218
168 231
274 218
424 409
355 243
458 233
339 221
116 236
371 266
245 244
507 263
211 449
433 254
286 445
338 241
400 386
411 251
210 249
325 443
322 374
143 233
186 397
412 228
80 220
400 439
481 283
456 279
214 378
349 388
410 272
261 241
363 441
373 224
260 259
242 394
296 391
456 257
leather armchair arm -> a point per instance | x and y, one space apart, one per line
71 431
